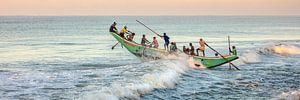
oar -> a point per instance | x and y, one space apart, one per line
148 28
229 48
115 45
222 56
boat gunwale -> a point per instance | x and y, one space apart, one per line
218 57
136 44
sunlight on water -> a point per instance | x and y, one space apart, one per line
286 49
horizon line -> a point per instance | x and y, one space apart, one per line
148 15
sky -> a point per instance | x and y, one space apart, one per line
148 7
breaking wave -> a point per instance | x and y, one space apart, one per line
294 95
158 75
280 49
248 57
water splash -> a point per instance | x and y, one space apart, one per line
248 57
293 95
286 49
280 49
163 74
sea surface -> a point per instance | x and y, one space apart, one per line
70 57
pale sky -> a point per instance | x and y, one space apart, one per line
149 7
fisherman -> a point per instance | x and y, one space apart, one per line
144 41
185 50
155 43
173 47
192 50
130 37
202 47
167 41
113 28
123 31
233 51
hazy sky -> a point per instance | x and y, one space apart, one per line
149 7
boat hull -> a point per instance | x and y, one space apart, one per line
211 62
155 53
141 51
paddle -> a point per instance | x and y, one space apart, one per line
114 46
229 49
148 28
222 56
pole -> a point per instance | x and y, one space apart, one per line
115 45
148 28
222 56
229 48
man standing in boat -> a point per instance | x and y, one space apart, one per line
202 47
113 28
233 51
167 40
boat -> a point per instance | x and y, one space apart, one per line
140 50
156 53
212 62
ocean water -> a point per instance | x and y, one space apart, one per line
70 57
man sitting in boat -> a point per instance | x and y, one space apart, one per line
167 40
130 37
202 47
186 50
123 31
113 28
144 41
233 51
173 47
192 50
155 43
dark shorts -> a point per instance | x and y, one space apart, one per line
167 43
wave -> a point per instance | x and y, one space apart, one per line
280 49
248 57
293 95
162 74
254 56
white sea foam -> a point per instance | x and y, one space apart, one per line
248 57
166 75
280 49
286 49
293 95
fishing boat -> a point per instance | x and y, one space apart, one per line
140 50
156 53
211 62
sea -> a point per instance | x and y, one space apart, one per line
70 58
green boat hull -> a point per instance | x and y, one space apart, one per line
155 53
211 62
141 51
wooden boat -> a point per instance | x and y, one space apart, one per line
211 62
156 53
